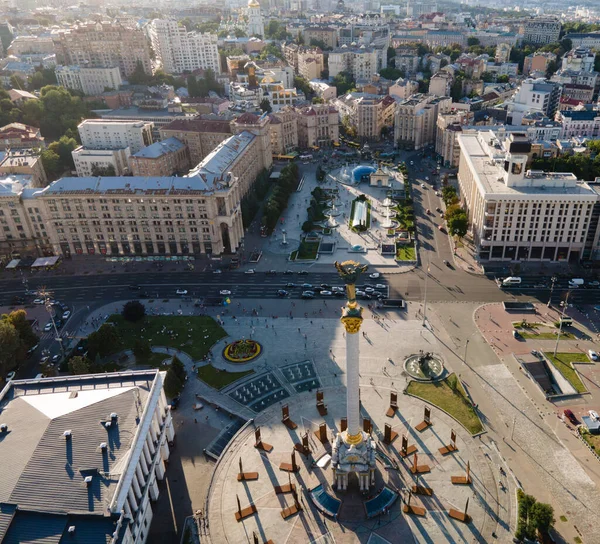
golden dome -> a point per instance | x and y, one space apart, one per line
253 4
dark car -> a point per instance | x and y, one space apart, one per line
306 286
308 294
303 273
571 417
175 402
271 272
282 293
325 286
18 300
288 272
134 287
290 285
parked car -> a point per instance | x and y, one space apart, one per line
516 335
217 271
181 291
593 355
441 229
594 283
374 275
48 326
44 359
594 415
39 301
55 359
224 292
66 315
571 417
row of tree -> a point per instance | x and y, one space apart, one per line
456 217
278 199
16 338
580 164
251 202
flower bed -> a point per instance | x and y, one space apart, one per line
242 351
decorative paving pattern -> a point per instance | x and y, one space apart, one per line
302 376
260 392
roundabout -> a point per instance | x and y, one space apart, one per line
242 351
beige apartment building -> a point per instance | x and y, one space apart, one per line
517 214
325 34
284 131
416 118
104 45
26 162
165 158
200 135
537 62
369 114
449 125
310 62
318 125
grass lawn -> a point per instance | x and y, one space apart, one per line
194 335
405 253
545 335
592 439
563 361
219 378
154 360
440 394
307 250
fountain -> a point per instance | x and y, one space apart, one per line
424 367
283 239
388 204
332 213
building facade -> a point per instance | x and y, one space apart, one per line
321 34
534 95
103 45
90 81
165 158
440 84
361 62
284 131
43 424
22 45
517 214
102 134
538 62
26 162
101 162
256 25
20 136
310 62
318 125
416 118
541 30
579 122
179 50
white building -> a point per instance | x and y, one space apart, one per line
579 59
90 81
91 450
256 25
534 95
519 214
361 62
179 50
542 30
98 162
104 134
579 122
323 89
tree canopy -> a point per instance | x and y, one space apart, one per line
16 337
344 82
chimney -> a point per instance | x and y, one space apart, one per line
3 428
88 481
67 434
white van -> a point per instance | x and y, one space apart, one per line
576 282
513 280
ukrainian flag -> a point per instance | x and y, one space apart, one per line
226 301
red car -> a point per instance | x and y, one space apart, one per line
571 417
441 229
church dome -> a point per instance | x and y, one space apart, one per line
253 4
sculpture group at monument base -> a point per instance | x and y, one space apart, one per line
349 457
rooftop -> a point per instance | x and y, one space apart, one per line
487 156
158 149
42 489
199 125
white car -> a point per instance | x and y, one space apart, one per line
224 292
326 293
360 293
217 271
380 286
250 271
10 376
48 326
39 301
593 413
44 359
66 315
422 186
374 275
369 290
426 178
592 355
181 291
437 193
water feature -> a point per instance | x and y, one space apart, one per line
424 367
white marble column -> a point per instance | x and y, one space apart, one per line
353 383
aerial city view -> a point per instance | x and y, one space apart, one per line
299 272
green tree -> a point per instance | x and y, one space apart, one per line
133 311
63 148
173 385
449 195
318 100
472 41
487 77
303 84
10 347
22 325
104 341
103 171
51 164
16 82
344 82
79 365
391 53
503 79
458 224
542 517
265 105
141 349
36 81
178 369
391 73
32 112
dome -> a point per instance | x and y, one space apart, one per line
360 171
253 4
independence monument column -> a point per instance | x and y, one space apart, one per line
353 449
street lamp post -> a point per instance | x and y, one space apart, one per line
425 297
46 296
465 357
564 309
553 280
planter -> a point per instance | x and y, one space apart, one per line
242 351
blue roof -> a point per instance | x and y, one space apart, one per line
158 149
361 171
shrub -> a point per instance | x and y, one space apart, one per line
141 349
173 385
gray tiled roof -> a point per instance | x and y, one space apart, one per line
35 528
7 511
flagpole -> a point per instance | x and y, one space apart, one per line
425 299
